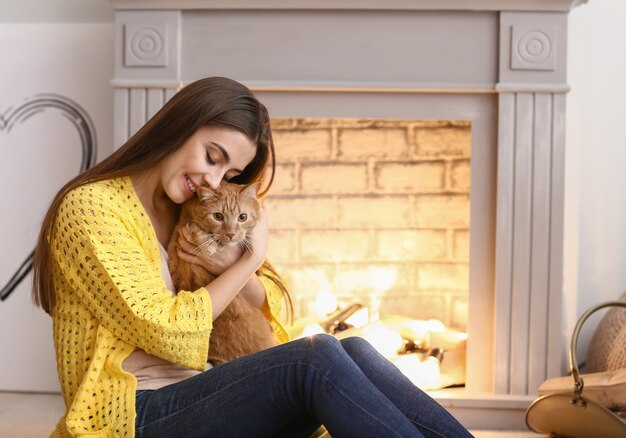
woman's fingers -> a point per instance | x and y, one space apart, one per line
187 250
216 263
186 240
186 246
189 258
184 234
224 259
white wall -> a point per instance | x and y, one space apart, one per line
595 210
51 11
47 47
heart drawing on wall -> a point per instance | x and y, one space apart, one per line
79 118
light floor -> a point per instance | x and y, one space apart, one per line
28 415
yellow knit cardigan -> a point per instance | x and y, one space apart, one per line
111 298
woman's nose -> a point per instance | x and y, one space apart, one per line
213 180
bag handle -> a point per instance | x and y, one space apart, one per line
573 364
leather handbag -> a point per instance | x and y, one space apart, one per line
569 413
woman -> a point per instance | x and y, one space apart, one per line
131 355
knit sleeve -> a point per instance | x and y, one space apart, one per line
102 257
274 308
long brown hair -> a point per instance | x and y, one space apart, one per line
208 102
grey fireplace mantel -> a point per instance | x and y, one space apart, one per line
499 64
465 5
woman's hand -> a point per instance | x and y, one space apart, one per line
216 264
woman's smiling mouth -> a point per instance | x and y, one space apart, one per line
190 185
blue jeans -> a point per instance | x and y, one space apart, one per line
289 390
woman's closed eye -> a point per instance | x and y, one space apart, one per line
231 175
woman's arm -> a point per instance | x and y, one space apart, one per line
239 278
103 256
254 292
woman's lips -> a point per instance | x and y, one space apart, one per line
190 188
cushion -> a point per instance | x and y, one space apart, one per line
607 350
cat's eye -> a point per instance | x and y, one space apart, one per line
243 217
218 216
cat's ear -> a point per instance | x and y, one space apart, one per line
252 190
206 194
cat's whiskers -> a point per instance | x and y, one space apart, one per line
246 243
199 248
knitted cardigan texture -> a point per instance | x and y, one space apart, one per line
111 298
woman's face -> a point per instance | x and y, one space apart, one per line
206 158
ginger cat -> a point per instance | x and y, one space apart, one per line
216 219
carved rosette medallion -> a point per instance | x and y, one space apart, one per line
145 45
533 48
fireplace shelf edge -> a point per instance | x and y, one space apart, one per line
324 87
334 87
465 5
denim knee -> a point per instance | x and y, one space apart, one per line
354 343
323 347
323 341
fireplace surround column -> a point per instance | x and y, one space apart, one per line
529 234
147 66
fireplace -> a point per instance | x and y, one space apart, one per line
495 68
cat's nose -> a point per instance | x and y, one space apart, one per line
230 235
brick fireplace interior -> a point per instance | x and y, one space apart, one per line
421 151
376 211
